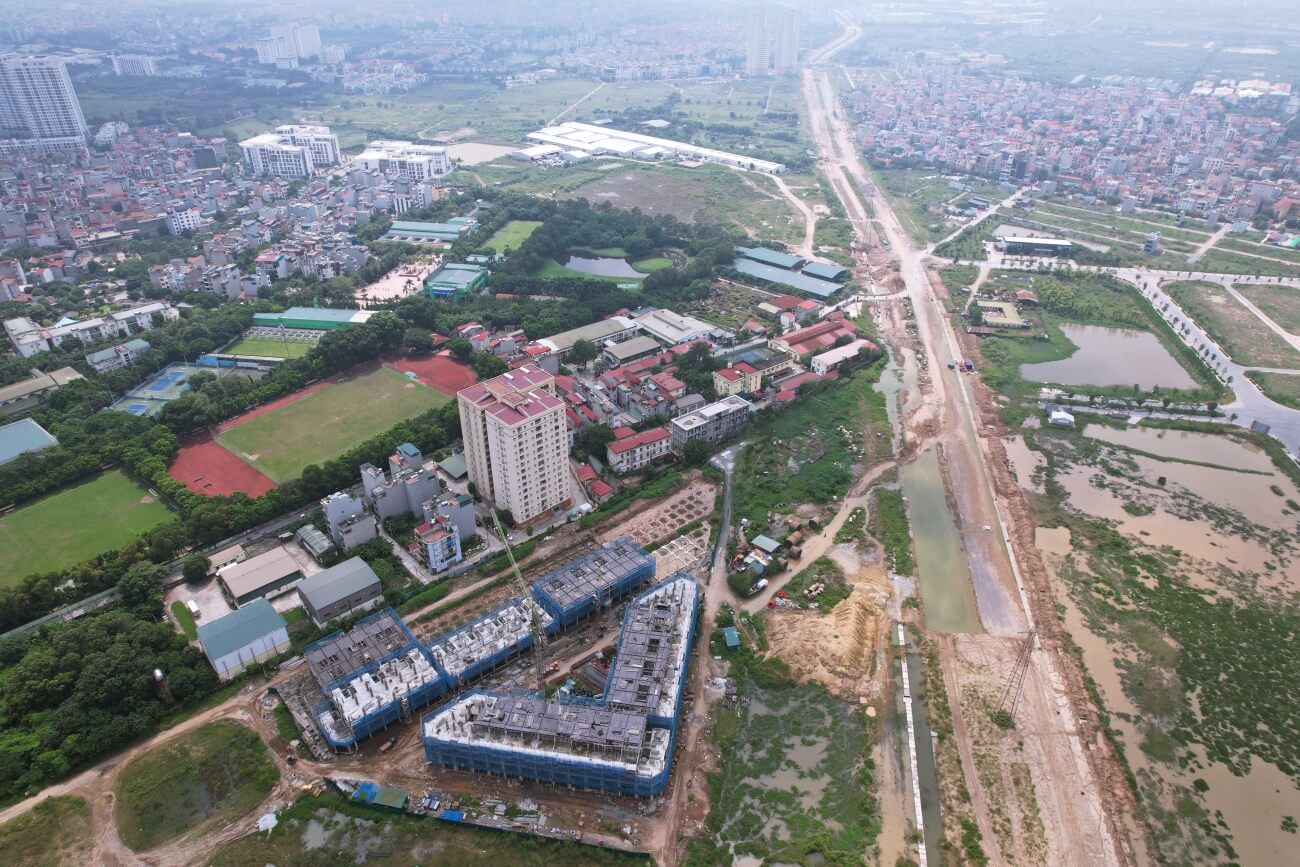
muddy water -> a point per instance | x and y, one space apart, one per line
1024 461
1186 445
1253 807
1112 356
1197 538
474 153
947 597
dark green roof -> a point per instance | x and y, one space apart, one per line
239 628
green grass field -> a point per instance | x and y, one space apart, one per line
185 619
270 348
555 269
327 423
1232 325
212 775
78 522
56 831
512 234
654 263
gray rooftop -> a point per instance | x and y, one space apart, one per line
338 582
651 646
23 436
592 573
225 635
640 345
529 716
453 465
340 655
256 572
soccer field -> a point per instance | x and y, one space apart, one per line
78 522
328 422
512 234
269 348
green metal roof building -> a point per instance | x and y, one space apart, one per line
825 271
454 280
416 232
246 636
776 258
312 318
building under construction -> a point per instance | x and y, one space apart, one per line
621 742
583 586
487 641
371 676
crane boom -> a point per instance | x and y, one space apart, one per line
530 604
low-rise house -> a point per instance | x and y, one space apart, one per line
634 452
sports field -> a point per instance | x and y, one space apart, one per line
326 422
512 234
269 348
78 522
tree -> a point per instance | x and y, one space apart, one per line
417 340
582 352
140 590
593 439
696 453
195 567
487 365
460 347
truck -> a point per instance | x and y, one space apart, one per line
970 365
388 744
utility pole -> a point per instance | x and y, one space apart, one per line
1006 713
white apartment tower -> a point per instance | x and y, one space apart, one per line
515 436
285 44
772 43
37 102
290 151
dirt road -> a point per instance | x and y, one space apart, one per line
1072 786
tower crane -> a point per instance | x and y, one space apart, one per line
531 606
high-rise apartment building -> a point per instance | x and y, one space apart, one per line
291 151
134 64
37 102
286 44
516 443
772 43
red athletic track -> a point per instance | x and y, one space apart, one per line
205 467
440 371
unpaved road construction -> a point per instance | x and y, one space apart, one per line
1070 804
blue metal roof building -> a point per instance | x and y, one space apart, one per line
23 436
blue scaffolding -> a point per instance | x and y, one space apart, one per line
377 668
584 585
622 742
484 643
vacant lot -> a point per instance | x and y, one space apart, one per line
55 831
1279 303
327 831
206 777
328 422
915 192
1235 328
269 348
728 306
512 234
78 522
712 194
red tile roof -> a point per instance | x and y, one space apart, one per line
601 489
645 438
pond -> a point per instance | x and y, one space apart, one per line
472 153
1112 356
602 266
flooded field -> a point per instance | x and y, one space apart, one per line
1181 624
1112 356
1186 446
947 596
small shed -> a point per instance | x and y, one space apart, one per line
453 465
766 545
732 637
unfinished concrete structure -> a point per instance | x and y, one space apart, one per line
584 585
372 675
621 742
487 641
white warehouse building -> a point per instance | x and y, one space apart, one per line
596 140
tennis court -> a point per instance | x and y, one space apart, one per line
166 385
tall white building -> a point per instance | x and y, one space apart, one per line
332 54
286 44
516 442
37 102
291 151
134 64
406 160
772 43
